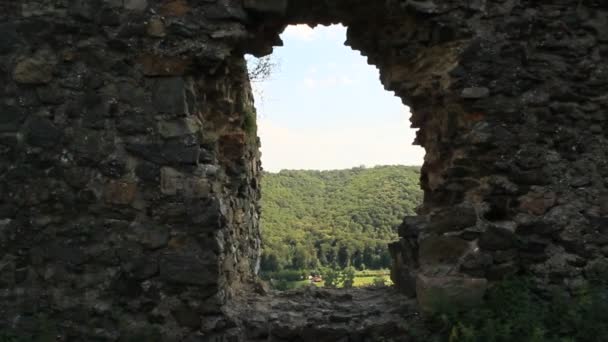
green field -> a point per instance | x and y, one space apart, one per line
366 278
362 279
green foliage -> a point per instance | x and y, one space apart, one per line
515 311
340 218
332 277
379 282
250 123
288 275
348 277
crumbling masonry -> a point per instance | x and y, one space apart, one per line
129 168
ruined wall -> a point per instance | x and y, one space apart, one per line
516 169
510 99
129 168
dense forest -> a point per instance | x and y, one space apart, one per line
339 218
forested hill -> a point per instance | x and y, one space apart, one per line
340 217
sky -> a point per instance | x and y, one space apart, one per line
324 108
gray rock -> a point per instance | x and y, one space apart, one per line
33 70
169 153
41 132
422 6
499 237
186 317
180 127
169 95
156 28
136 5
475 93
437 250
150 236
452 219
9 38
187 264
11 118
7 271
85 9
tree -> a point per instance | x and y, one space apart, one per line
260 69
340 217
348 276
332 277
269 262
344 256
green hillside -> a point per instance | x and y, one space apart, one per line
335 218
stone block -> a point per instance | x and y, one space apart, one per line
84 9
537 203
169 95
187 317
179 127
475 93
412 225
169 153
154 65
92 146
499 237
438 294
9 40
442 250
34 70
173 182
136 5
188 265
11 118
120 192
156 28
7 271
50 95
42 132
149 235
175 8
452 219
180 154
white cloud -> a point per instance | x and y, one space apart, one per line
331 81
301 32
306 33
337 148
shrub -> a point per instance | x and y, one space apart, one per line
379 282
249 122
348 277
514 311
287 275
332 277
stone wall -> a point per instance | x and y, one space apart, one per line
130 164
128 171
510 99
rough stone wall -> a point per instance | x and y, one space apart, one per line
129 169
510 99
516 169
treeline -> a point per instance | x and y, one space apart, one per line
339 218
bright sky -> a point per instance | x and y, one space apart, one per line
325 108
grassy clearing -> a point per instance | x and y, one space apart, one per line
362 279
